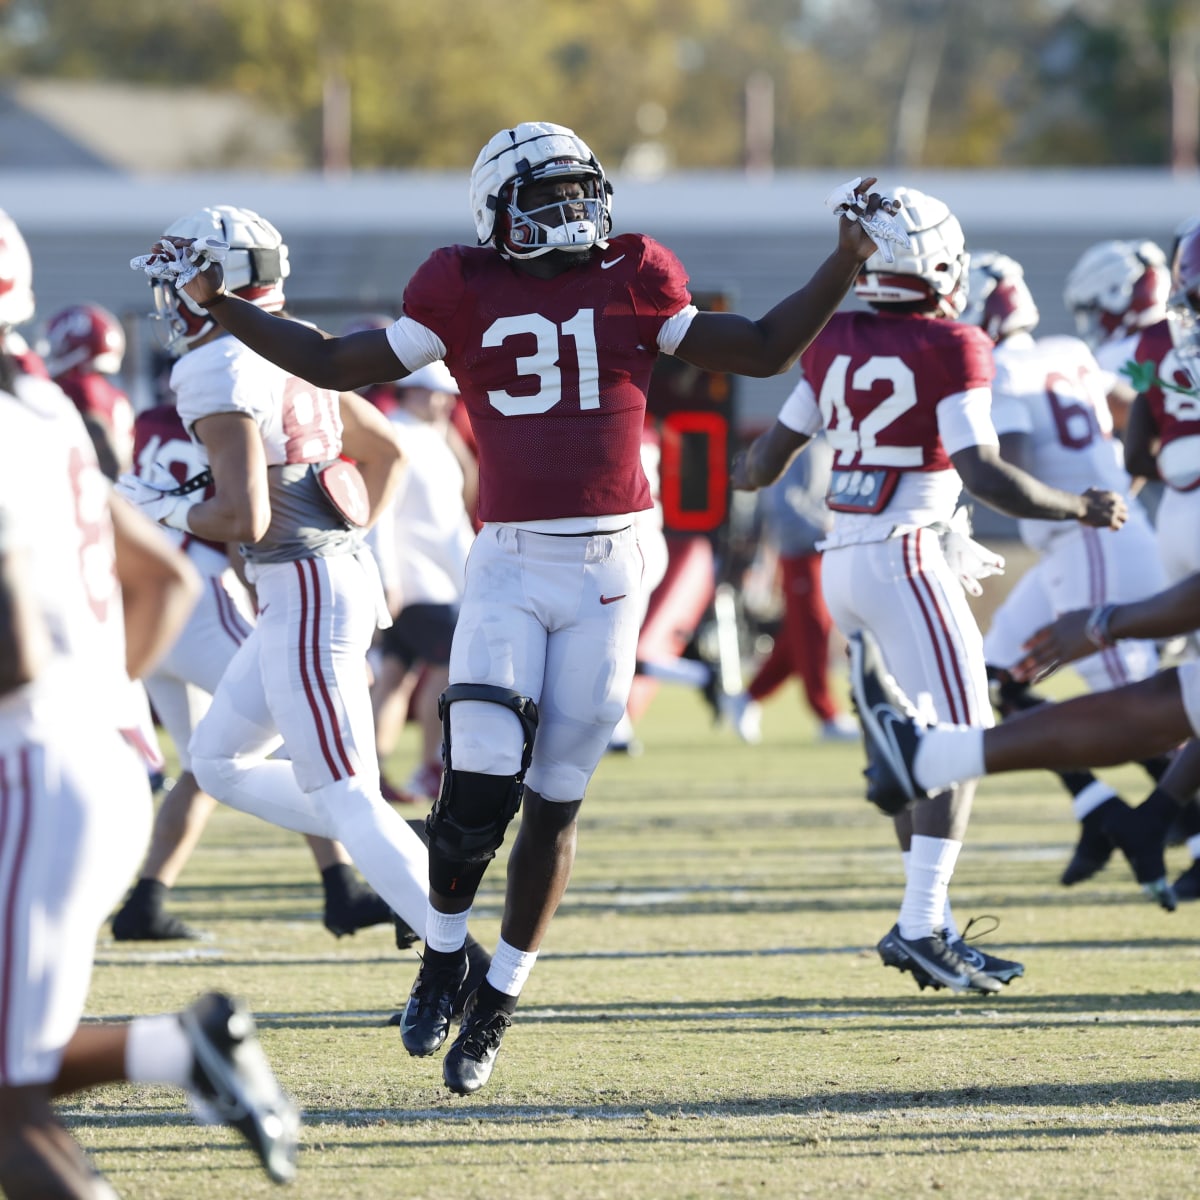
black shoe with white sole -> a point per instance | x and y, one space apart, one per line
233 1084
934 962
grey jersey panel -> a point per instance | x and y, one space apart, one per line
303 523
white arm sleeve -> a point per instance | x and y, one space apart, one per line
965 419
413 344
673 328
800 411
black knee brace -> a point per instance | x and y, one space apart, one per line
472 811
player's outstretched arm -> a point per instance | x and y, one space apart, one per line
1016 493
767 457
770 345
339 363
1074 635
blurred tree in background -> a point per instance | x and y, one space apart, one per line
663 83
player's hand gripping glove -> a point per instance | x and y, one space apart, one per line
844 201
180 264
161 496
968 559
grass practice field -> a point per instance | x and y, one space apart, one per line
709 1017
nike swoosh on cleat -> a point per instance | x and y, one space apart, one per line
612 599
610 262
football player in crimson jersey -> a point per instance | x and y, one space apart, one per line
904 393
90 596
181 689
1049 407
85 345
551 327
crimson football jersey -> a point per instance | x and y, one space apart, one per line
553 372
95 395
878 379
1175 414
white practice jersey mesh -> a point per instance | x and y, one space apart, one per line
55 504
301 427
1053 390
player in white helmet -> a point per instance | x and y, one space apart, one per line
551 327
90 595
904 393
1050 409
278 453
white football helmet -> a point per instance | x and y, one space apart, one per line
255 267
998 298
16 275
1183 311
932 270
1117 287
531 152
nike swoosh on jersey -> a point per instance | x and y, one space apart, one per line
610 262
612 599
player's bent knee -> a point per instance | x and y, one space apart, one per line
474 808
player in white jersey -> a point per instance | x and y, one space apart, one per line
89 595
181 689
1050 409
283 490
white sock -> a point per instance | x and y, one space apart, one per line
445 931
1090 799
948 754
158 1051
510 968
929 870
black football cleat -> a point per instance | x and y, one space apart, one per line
358 907
469 1061
1004 970
934 962
1095 847
233 1084
133 924
1187 886
891 731
1140 834
425 1021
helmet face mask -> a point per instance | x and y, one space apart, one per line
517 159
932 272
255 265
998 298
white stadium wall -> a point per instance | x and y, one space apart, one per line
355 240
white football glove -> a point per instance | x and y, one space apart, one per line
160 496
844 201
970 560
178 266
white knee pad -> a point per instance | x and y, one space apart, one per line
485 738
